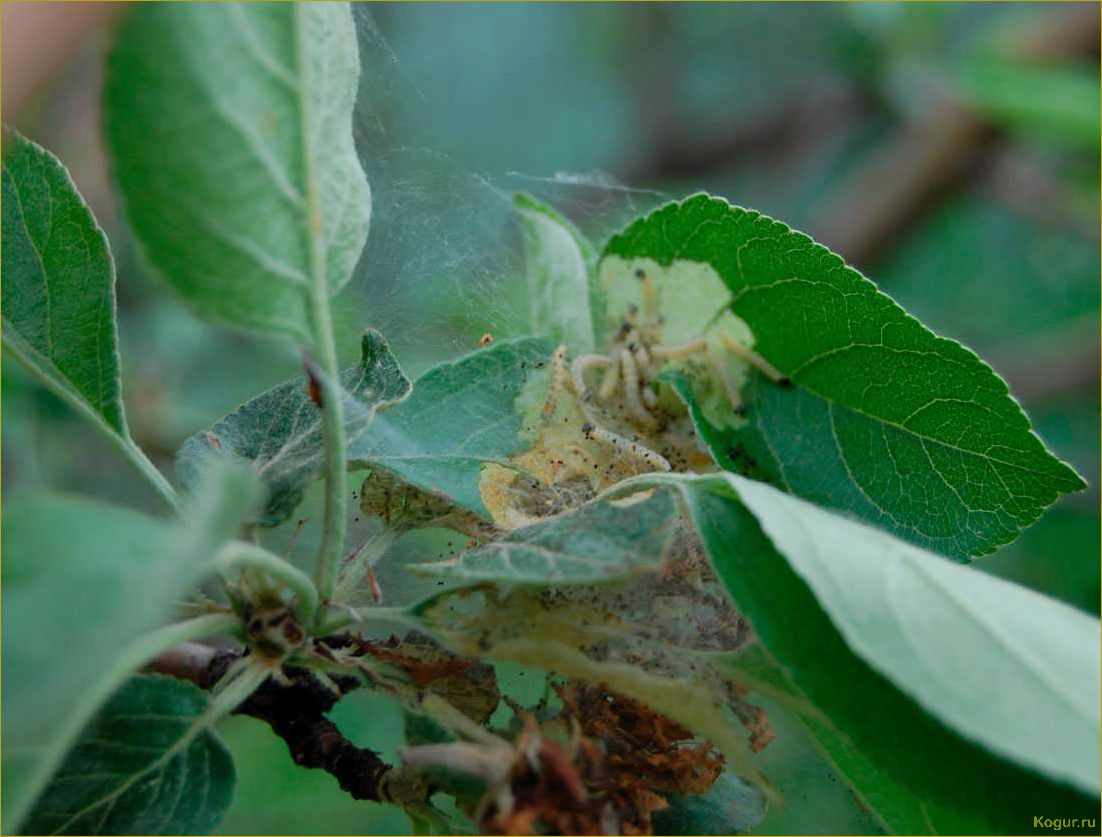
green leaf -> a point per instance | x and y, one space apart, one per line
887 421
558 259
59 284
1057 102
460 415
733 449
731 806
59 294
84 583
148 763
230 128
279 431
601 541
889 642
67 566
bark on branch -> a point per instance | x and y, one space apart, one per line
296 713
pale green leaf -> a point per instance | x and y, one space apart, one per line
230 127
601 541
895 647
945 634
887 420
459 416
279 431
147 763
557 263
59 294
68 564
83 582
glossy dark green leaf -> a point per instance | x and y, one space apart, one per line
279 431
230 128
460 415
147 763
897 650
887 420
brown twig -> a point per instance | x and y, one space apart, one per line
296 713
902 181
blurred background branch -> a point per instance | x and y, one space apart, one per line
937 151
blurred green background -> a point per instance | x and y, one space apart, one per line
948 150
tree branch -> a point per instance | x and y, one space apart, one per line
929 159
296 713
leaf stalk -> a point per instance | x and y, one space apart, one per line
242 554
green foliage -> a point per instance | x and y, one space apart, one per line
147 763
903 428
59 284
878 667
59 294
74 560
459 416
231 135
97 578
558 261
899 608
600 541
279 431
948 699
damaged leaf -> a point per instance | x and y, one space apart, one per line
460 415
600 541
598 763
651 636
887 421
279 431
402 507
731 806
467 685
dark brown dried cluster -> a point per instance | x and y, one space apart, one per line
617 767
